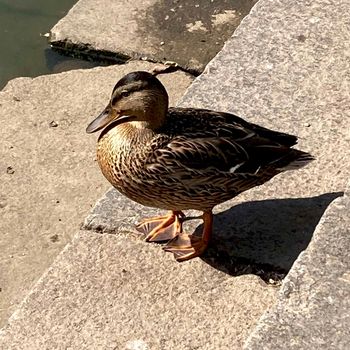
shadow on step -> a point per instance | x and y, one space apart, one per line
264 237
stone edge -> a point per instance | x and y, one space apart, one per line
298 270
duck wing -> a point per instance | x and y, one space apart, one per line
198 154
208 122
202 142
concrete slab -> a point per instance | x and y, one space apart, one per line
313 309
48 177
110 292
187 32
247 237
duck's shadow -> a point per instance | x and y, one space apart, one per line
264 237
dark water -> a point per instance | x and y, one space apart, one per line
24 50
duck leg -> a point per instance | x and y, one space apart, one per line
162 228
185 247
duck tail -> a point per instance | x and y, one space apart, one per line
295 160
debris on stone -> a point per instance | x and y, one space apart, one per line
167 67
10 170
54 238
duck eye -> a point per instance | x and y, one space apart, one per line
115 99
124 93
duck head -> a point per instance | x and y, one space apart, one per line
139 99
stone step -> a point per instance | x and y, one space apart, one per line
188 32
262 237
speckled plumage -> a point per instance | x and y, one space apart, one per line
184 158
198 159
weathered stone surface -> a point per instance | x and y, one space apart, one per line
48 177
110 292
313 310
187 32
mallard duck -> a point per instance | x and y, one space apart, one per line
183 158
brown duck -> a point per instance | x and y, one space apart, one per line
183 158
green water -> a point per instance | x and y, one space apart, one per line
24 51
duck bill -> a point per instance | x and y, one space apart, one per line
102 120
107 117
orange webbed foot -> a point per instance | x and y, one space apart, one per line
162 228
186 247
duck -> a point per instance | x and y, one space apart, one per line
176 159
